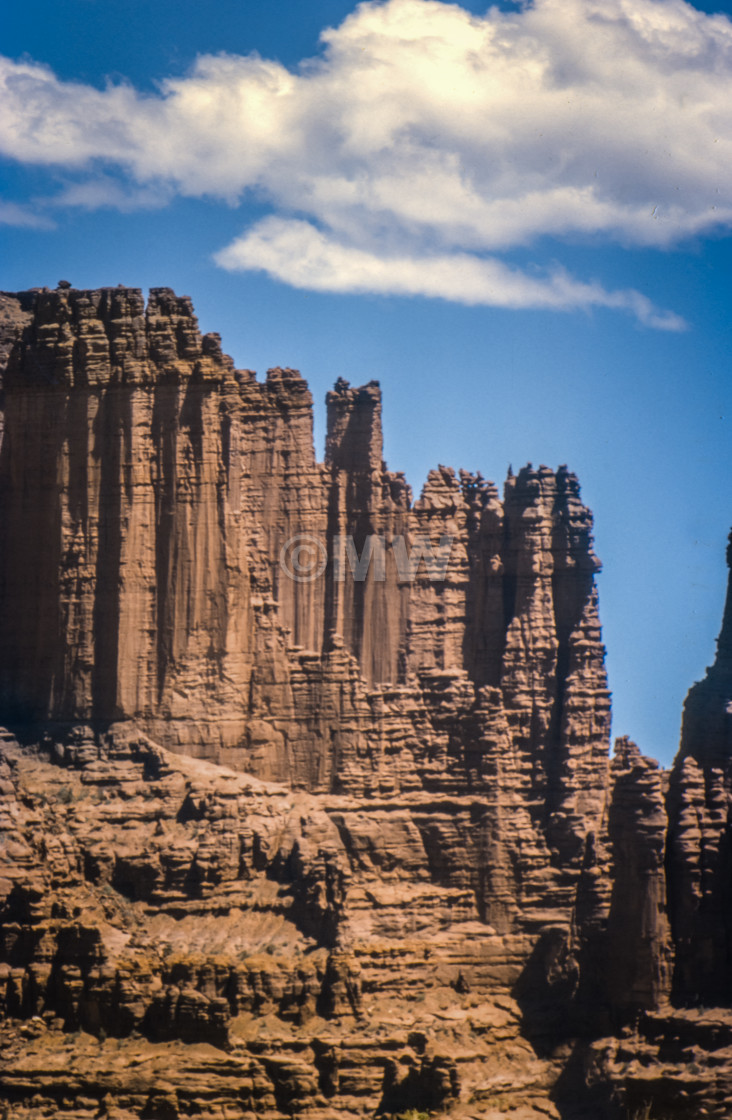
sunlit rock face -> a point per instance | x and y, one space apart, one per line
159 510
276 787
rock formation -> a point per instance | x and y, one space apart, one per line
306 790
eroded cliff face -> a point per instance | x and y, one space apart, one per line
155 506
336 820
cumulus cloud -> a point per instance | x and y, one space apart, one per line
423 133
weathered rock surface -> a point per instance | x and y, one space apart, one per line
298 944
15 313
700 819
151 570
306 801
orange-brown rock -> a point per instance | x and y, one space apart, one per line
306 795
148 558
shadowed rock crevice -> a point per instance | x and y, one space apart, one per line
109 452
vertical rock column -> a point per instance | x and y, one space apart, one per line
529 675
116 586
700 832
577 765
61 500
199 677
456 619
438 596
368 507
16 311
637 964
279 492
485 629
553 678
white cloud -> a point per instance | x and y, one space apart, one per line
425 132
104 191
13 214
300 255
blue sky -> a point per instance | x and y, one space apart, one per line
516 218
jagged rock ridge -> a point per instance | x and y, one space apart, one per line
447 847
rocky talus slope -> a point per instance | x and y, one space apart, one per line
296 823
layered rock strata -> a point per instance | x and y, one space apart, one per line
307 794
300 947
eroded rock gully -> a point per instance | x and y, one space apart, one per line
334 846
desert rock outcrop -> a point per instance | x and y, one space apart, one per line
306 784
